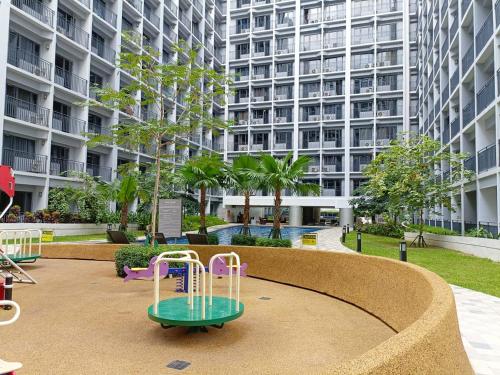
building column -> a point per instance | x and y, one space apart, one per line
346 216
295 217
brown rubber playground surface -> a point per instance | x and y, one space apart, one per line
82 319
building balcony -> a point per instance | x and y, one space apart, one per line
136 4
73 32
105 13
332 192
25 161
153 18
29 62
260 146
486 158
468 59
455 78
485 95
70 81
37 10
484 34
103 51
455 127
470 163
65 167
497 13
67 124
333 167
97 129
26 111
95 170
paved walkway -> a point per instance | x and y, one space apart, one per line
478 314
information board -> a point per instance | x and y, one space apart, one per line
310 239
170 223
47 235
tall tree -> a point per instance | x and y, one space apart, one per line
238 176
409 176
283 174
148 100
203 172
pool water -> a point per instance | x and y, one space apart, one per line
225 234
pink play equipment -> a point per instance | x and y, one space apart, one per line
220 268
139 272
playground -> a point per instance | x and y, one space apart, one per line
82 319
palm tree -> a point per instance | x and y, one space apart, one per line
279 174
124 191
202 173
238 177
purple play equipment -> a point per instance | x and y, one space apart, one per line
138 273
220 268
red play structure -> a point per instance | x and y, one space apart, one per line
7 185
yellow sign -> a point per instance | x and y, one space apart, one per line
47 235
310 239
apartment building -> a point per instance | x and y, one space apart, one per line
56 51
459 86
332 79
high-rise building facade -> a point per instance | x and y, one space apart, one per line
332 79
458 100
55 51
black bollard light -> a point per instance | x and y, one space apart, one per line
402 251
358 243
8 291
347 226
343 233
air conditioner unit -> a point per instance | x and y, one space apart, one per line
328 18
258 99
313 21
370 65
258 147
313 169
259 76
282 51
281 74
280 146
384 88
330 117
327 69
329 144
258 54
258 121
281 97
314 71
314 94
383 113
329 168
313 118
243 148
365 142
328 93
365 90
365 114
383 142
280 120
242 122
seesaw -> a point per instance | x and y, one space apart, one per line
198 311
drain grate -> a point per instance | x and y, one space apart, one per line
178 364
265 298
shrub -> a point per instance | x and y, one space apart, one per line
389 230
240 239
434 230
11 218
481 232
190 222
131 236
213 239
272 242
29 217
139 256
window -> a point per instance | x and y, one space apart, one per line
284 19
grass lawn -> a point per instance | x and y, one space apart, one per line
84 237
456 268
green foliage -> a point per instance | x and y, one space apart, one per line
190 223
139 256
434 230
389 229
130 236
240 239
273 242
213 239
479 232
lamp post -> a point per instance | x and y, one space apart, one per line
402 251
343 233
358 241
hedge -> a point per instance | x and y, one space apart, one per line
272 242
389 230
241 239
140 255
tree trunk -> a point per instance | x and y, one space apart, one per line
203 197
246 214
124 217
276 232
154 201
421 229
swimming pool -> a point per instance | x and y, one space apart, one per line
224 234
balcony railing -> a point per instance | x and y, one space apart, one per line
454 80
65 168
468 113
70 81
485 95
70 30
24 161
97 171
171 6
137 4
185 20
105 13
497 13
29 62
470 163
486 158
37 10
26 111
484 34
465 6
454 28
467 60
455 127
104 51
67 124
153 18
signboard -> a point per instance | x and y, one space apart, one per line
310 239
47 235
170 215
